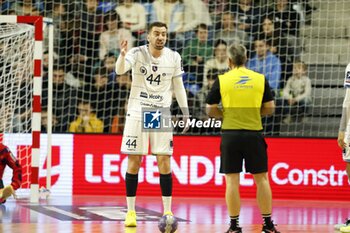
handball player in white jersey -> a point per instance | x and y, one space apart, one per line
344 137
156 74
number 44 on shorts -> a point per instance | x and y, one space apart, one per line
131 143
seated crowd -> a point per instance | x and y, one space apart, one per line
87 90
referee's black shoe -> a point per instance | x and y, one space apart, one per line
270 229
234 230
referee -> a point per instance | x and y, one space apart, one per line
245 96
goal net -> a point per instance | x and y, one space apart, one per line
20 91
277 33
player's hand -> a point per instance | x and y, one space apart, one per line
123 47
341 142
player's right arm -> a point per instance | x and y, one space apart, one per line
123 64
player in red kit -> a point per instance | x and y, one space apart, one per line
7 158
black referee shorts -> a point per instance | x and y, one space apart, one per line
239 145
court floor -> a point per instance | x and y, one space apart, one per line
105 214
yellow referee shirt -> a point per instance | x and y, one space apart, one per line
242 92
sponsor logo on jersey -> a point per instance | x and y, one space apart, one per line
143 70
156 97
152 119
242 83
143 94
243 80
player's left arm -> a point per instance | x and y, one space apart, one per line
181 98
179 90
14 164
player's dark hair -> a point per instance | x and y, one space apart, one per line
219 42
111 16
237 54
201 26
156 24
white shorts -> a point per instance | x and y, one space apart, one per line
136 142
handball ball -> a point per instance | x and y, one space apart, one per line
167 224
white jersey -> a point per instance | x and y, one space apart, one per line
152 85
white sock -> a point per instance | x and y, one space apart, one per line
130 201
167 203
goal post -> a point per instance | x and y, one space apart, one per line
22 40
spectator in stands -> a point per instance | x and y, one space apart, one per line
123 89
44 121
102 96
248 16
27 7
219 62
288 21
266 63
5 7
198 111
172 13
228 31
197 52
279 46
46 61
110 39
119 119
109 63
286 17
59 11
196 12
216 9
297 93
182 18
69 79
133 17
91 26
64 100
86 122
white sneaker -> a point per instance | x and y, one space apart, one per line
338 226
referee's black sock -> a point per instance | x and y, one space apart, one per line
234 222
131 181
166 184
267 220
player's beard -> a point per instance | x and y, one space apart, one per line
159 45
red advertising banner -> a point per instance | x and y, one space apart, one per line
298 168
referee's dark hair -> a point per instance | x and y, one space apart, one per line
156 24
237 54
